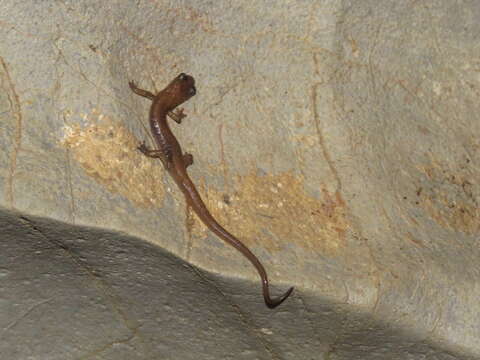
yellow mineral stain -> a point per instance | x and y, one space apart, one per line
106 150
274 212
448 195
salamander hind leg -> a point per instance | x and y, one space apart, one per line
164 156
188 159
141 92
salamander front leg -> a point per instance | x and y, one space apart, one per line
188 159
141 92
177 115
164 156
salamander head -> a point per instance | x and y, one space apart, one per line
179 90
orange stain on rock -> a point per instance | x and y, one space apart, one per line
106 151
274 212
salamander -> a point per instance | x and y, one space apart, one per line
176 163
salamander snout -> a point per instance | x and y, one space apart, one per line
181 89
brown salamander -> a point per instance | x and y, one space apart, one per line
176 162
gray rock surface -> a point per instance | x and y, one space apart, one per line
70 292
337 139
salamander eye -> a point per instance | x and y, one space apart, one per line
182 76
192 91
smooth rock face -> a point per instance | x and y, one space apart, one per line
337 139
70 292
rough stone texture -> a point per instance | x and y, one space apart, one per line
337 139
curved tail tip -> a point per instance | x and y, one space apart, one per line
273 303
